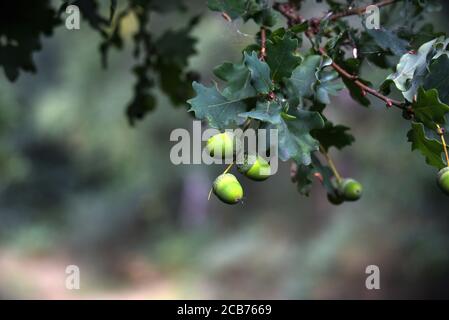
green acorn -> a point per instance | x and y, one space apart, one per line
443 180
350 189
221 144
228 189
335 198
255 168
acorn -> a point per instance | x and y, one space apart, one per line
221 144
228 189
335 198
443 180
255 167
350 189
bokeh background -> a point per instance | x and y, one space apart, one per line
79 186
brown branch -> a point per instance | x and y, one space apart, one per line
360 10
440 132
290 11
263 44
365 89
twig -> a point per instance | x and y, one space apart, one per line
359 10
263 44
365 89
440 132
290 12
331 164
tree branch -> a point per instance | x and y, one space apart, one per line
263 44
364 87
290 11
360 10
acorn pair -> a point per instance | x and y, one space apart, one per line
226 186
345 190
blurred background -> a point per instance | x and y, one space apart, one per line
79 186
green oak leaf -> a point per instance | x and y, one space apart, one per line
258 10
280 56
431 149
327 86
260 73
211 105
411 69
238 79
388 40
304 179
304 77
333 136
233 8
441 46
369 49
326 173
266 111
299 28
438 78
176 46
295 141
428 108
305 174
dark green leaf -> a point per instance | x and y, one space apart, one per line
431 149
260 73
387 40
233 8
305 174
438 78
327 86
428 108
304 77
211 105
266 111
238 78
281 56
333 136
295 141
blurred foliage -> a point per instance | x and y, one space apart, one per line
79 186
161 60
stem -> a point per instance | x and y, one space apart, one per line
331 164
263 42
443 141
362 86
228 168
